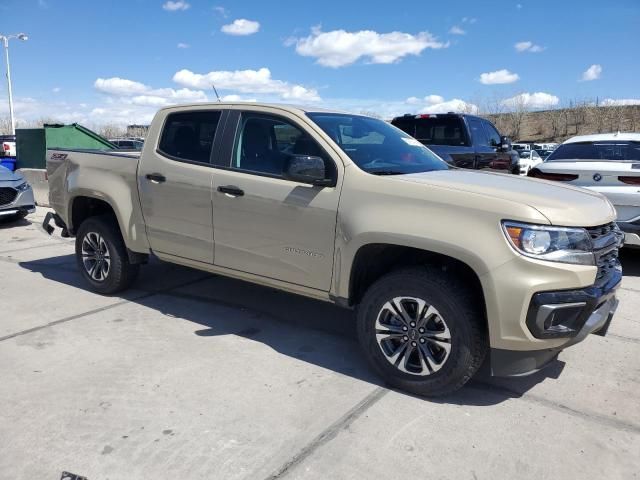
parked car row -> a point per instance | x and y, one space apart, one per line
128 143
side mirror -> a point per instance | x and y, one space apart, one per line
306 169
505 144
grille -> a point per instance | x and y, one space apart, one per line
607 264
7 195
601 231
605 243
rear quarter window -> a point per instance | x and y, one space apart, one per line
189 135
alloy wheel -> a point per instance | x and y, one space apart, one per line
95 256
413 336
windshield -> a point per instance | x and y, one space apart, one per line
611 150
377 147
524 153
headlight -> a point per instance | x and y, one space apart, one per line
554 244
22 187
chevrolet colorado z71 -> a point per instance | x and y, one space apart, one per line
443 265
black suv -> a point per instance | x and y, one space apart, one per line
465 141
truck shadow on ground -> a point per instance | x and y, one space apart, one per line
6 223
309 330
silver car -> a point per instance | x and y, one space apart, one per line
16 195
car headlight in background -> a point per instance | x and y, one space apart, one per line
22 187
553 244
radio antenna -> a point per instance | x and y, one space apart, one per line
216 92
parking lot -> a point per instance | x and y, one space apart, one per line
191 375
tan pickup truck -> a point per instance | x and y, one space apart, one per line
442 265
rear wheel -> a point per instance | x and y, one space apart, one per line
102 256
422 332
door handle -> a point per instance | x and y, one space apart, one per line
231 190
156 177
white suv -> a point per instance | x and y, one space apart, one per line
607 163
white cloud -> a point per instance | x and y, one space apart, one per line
388 109
532 100
470 20
528 47
610 102
221 11
338 48
132 92
499 77
172 6
437 104
456 30
241 26
56 89
236 98
592 73
246 81
119 86
183 45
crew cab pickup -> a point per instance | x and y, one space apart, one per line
441 265
464 141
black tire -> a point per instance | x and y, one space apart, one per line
121 273
459 312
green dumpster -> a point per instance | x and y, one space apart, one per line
32 143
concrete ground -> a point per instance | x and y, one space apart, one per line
190 375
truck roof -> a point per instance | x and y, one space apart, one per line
410 116
603 137
281 106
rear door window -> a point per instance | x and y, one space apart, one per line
477 132
189 136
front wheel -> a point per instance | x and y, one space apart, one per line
422 331
102 256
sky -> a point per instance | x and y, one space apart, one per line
117 62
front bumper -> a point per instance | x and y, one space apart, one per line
571 315
23 203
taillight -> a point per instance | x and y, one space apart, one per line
630 180
426 115
558 177
6 147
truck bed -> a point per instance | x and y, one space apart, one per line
107 175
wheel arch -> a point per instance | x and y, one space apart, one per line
86 205
373 260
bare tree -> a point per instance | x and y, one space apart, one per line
554 123
111 131
5 126
515 116
597 118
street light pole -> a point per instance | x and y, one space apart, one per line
5 42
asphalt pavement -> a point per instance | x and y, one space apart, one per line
192 375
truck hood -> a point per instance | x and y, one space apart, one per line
560 204
7 175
